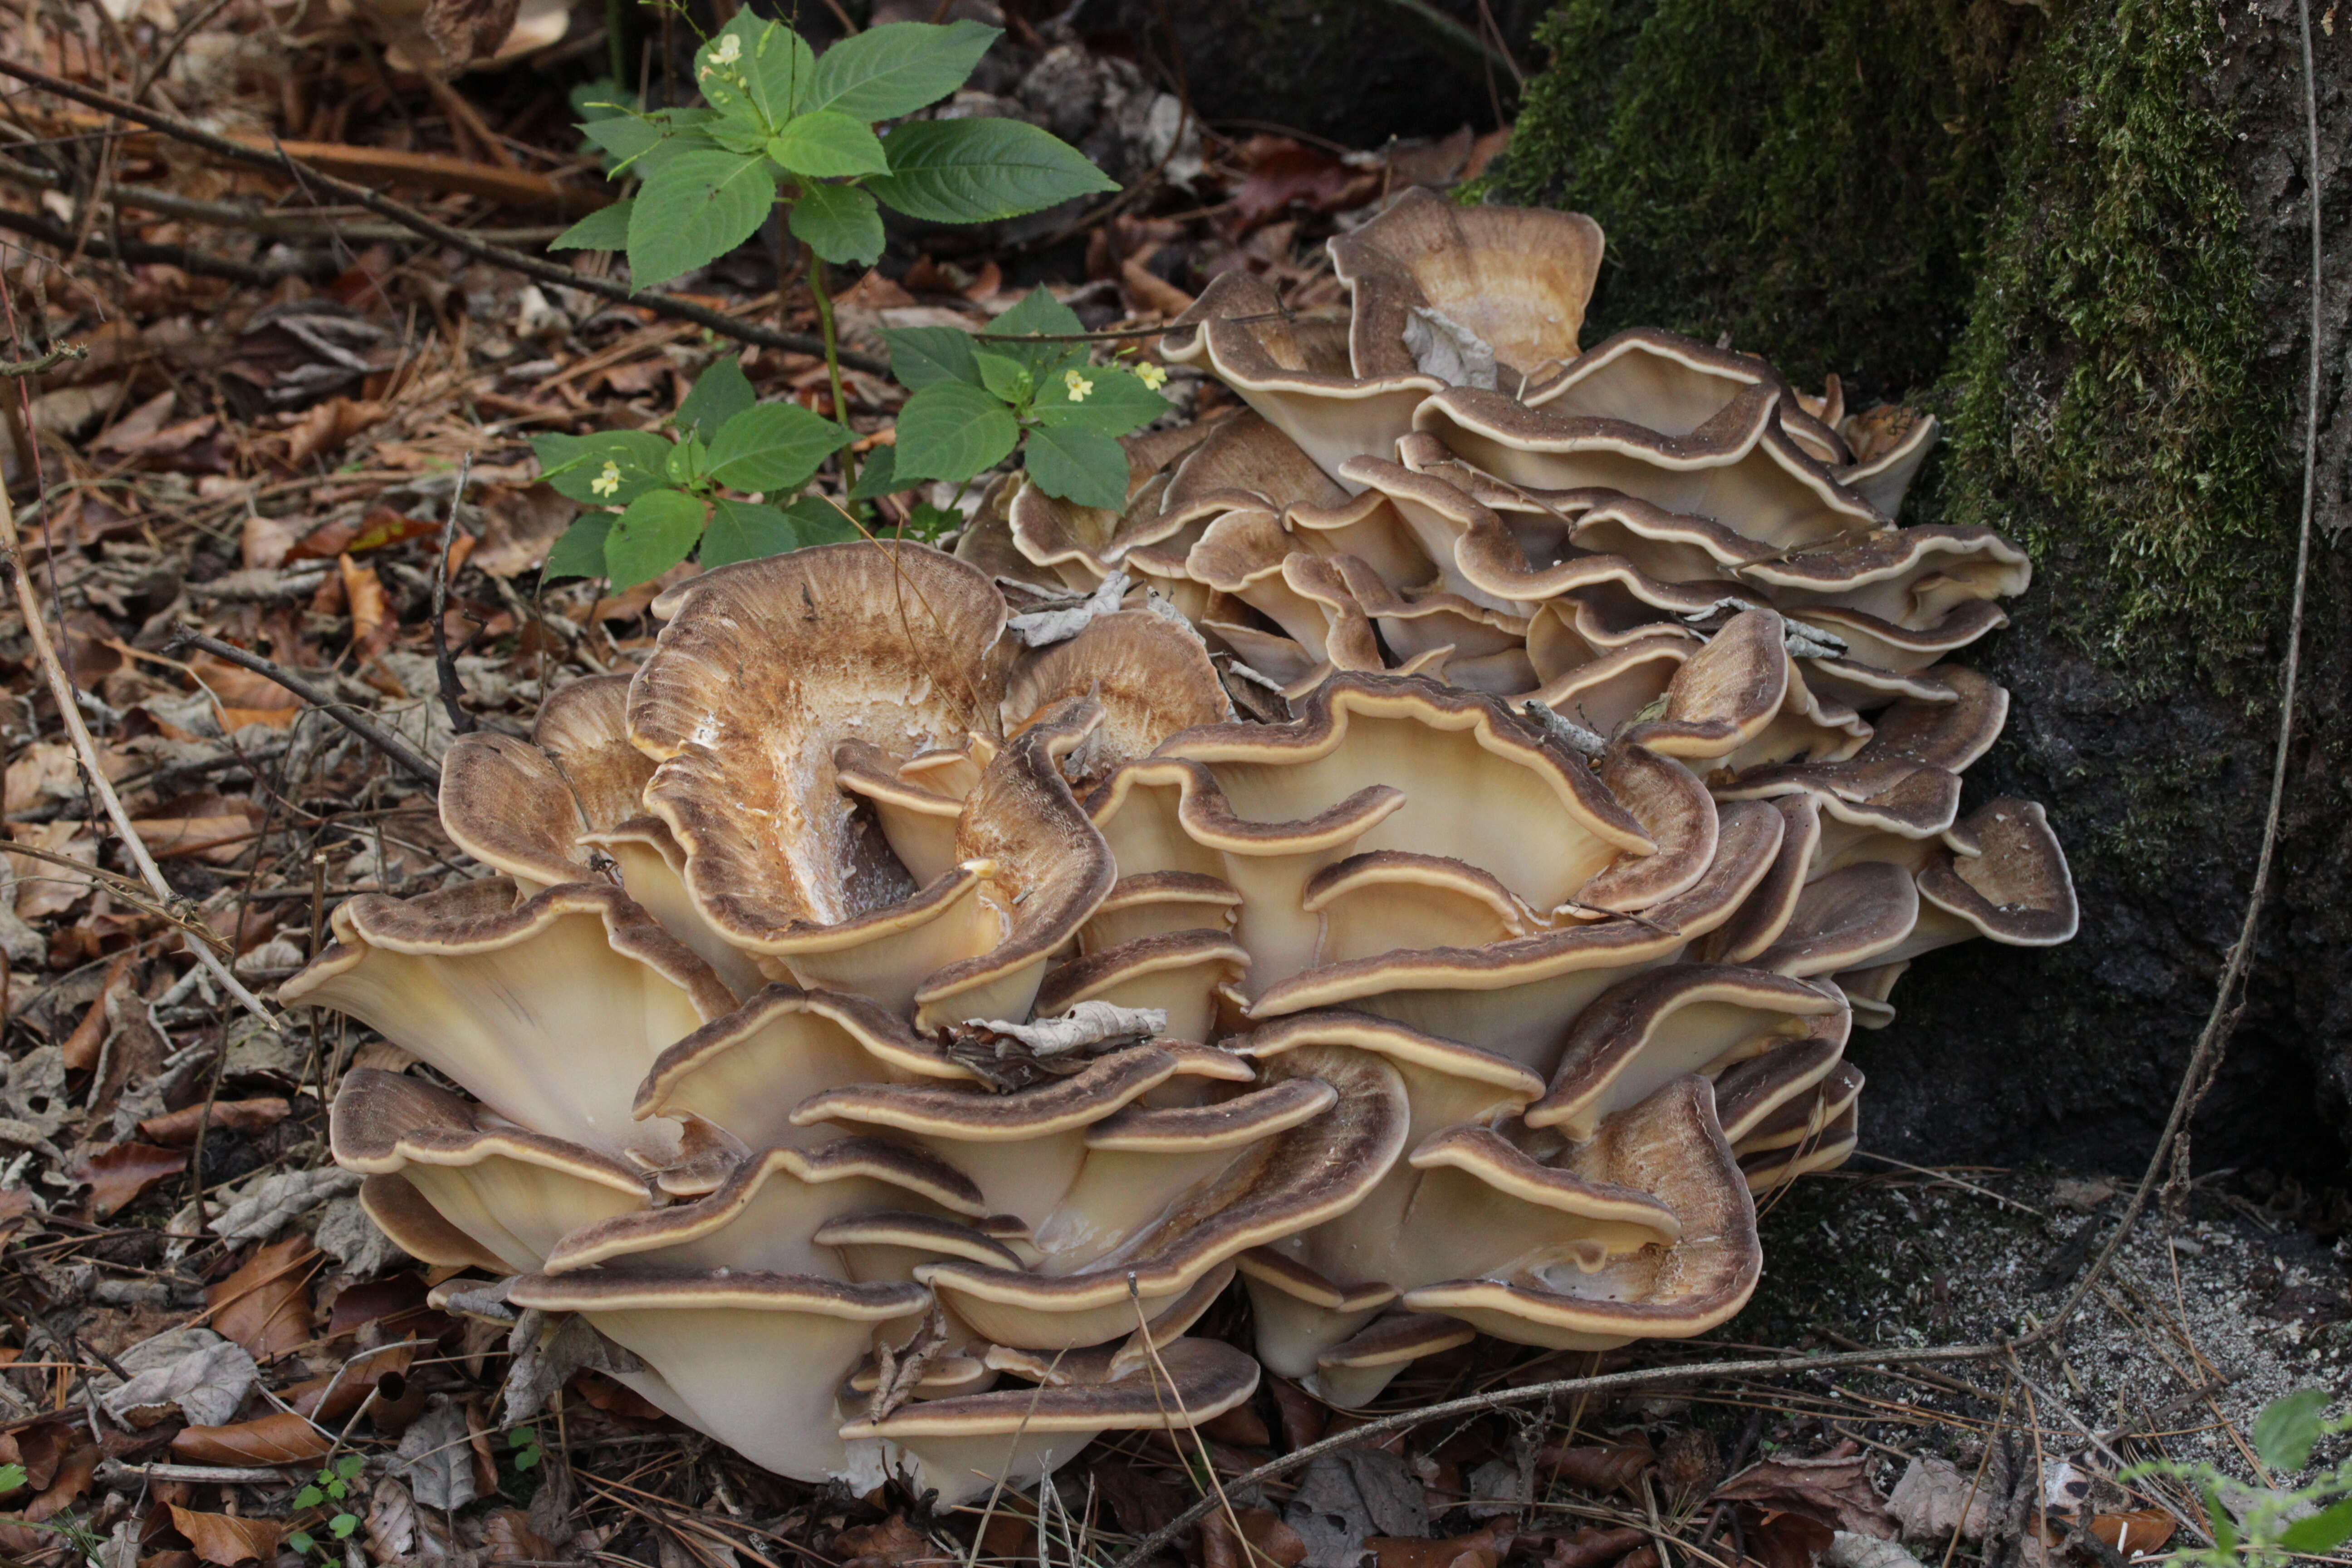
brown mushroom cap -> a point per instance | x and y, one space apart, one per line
764 669
1305 1174
1387 900
1516 998
1672 1148
1826 1149
1646 1032
2017 889
766 1214
1351 1374
752 1359
1740 467
550 1011
965 1445
1146 903
1182 973
1470 266
1151 676
512 1194
1844 920
1294 372
1756 1097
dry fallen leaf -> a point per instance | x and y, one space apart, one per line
1600 1467
2135 1533
193 1371
1482 1549
177 1129
265 1306
281 1437
1835 1491
228 1538
120 1175
889 1545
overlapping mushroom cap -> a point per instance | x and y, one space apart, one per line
1432 879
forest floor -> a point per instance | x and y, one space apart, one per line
263 440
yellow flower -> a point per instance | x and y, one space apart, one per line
1154 376
609 481
1078 384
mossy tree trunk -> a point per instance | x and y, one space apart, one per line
2080 234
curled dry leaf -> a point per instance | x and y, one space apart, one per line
2135 1533
177 1129
1600 1467
1592 1547
228 1538
281 1437
391 1521
1480 1548
1832 1491
117 1176
193 1371
892 1543
509 1535
265 1306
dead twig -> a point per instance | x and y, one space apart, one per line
55 355
350 717
444 663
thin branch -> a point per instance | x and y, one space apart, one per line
260 275
444 664
350 717
62 689
56 355
416 223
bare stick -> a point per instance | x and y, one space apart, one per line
70 714
416 223
350 717
444 665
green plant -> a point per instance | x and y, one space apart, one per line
2269 1524
524 1442
783 125
12 1477
333 1484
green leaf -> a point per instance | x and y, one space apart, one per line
693 210
1040 312
1078 465
1114 402
782 65
977 171
606 228
921 355
749 71
2322 1532
623 137
840 223
300 1540
308 1497
879 476
342 1525
828 145
688 460
951 431
820 521
12 1477
895 68
928 522
1005 376
2288 1427
351 1465
529 1458
745 531
773 448
652 536
576 465
722 392
581 552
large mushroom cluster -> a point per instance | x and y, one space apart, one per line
894 1023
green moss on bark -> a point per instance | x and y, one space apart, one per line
2110 396
1809 176
2034 215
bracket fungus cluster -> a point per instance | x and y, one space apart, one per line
895 1036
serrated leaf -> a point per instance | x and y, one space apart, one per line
951 431
928 522
895 68
977 171
622 136
719 393
652 536
878 476
828 145
693 210
1078 465
581 552
752 69
773 448
840 223
606 228
745 531
921 355
2322 1532
820 521
1115 401
2288 1427
1005 376
575 465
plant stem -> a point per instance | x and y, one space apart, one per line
831 362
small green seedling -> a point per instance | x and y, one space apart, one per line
333 1484
524 1441
2269 1525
